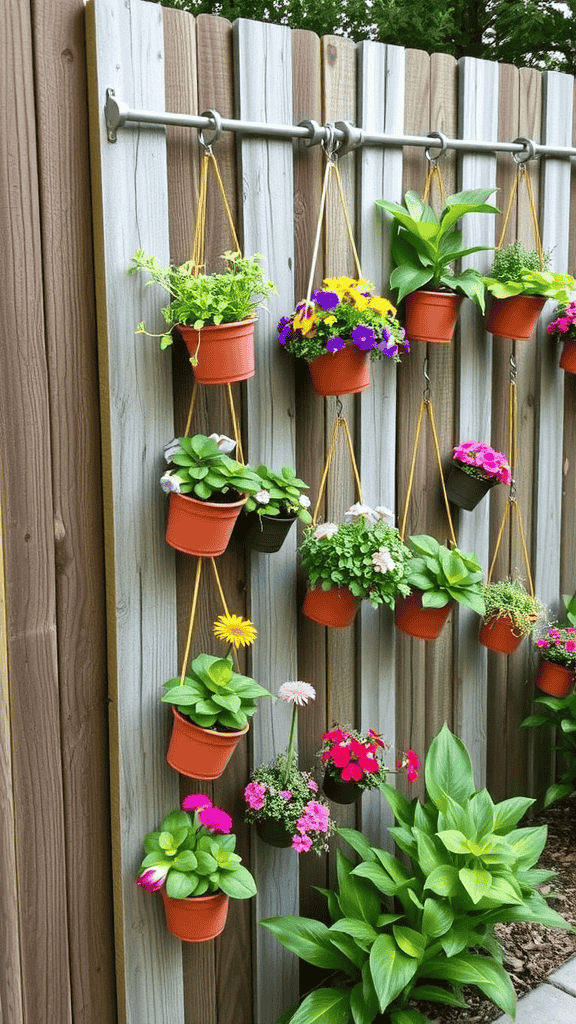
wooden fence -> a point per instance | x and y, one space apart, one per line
55 832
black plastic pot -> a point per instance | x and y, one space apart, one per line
264 533
465 490
340 792
274 832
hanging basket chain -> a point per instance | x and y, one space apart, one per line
340 423
193 614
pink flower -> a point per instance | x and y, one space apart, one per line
313 785
570 629
296 692
542 643
153 878
412 774
301 844
413 759
196 802
217 820
554 633
571 646
255 795
368 763
285 794
336 735
377 738
352 773
504 475
340 755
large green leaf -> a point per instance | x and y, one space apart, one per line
402 809
408 1016
482 813
350 949
239 884
476 882
362 932
437 918
309 939
408 279
434 994
391 969
411 942
443 881
448 769
508 813
179 885
528 844
380 878
358 842
324 1006
458 938
357 897
362 1012
454 841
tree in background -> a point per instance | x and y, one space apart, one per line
528 33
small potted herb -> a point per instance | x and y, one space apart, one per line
337 331
191 859
424 247
556 672
352 763
563 328
476 467
511 613
344 563
207 492
268 515
520 283
439 577
214 313
212 706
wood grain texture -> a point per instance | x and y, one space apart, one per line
477 77
263 61
567 569
131 212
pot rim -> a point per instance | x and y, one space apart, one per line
211 504
210 732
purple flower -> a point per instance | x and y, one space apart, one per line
335 344
328 300
364 337
407 345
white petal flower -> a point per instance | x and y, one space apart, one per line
357 510
383 561
305 500
297 692
170 482
384 513
325 530
171 448
263 497
225 444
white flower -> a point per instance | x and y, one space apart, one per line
297 692
171 448
355 511
170 482
263 497
225 444
383 561
325 530
305 500
384 513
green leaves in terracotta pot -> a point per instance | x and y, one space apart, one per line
214 695
204 470
443 574
280 494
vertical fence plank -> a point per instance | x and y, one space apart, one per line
380 109
568 568
131 212
477 78
263 58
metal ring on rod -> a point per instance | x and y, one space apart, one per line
317 133
443 139
329 145
529 151
217 129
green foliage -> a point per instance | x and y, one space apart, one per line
469 868
570 605
517 271
208 298
510 598
345 559
214 695
285 493
425 245
443 575
558 714
203 470
197 860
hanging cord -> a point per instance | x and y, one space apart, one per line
193 614
522 175
426 407
197 257
512 502
331 170
340 423
434 175
235 425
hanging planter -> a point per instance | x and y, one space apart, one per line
500 635
197 918
568 356
200 753
563 328
340 792
342 373
274 833
556 672
515 317
264 533
221 354
336 607
556 680
467 491
423 623
201 528
475 470
432 316
269 514
510 614
353 762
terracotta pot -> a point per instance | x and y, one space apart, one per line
336 607
201 528
200 753
274 833
515 317
500 634
432 316
556 680
341 373
465 490
225 354
264 533
423 623
197 918
340 792
568 357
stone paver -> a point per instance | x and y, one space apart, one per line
544 1005
565 977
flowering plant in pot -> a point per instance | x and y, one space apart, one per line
283 802
440 577
207 492
563 328
511 614
214 313
402 935
269 513
362 558
520 283
191 859
212 706
558 650
353 762
338 329
425 246
476 467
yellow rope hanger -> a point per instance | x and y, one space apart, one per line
340 424
197 257
193 614
522 175
235 423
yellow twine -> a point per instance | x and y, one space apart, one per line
235 424
340 423
426 406
197 257
522 174
434 174
193 614
331 168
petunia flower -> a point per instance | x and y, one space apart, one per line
225 444
305 501
313 785
301 843
336 735
215 819
325 531
196 802
153 878
542 643
171 448
364 337
335 344
327 300
170 482
571 646
262 497
357 510
286 794
255 795
351 773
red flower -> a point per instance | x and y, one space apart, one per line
352 773
377 738
413 759
368 764
340 755
412 774
336 735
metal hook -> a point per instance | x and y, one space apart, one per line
426 391
513 370
529 151
317 134
443 145
353 137
512 490
214 116
329 142
339 407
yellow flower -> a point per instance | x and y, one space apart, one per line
359 300
381 305
304 323
338 284
364 286
329 320
235 630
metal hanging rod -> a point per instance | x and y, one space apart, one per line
343 134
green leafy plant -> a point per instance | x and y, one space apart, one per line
193 855
402 934
204 470
367 556
517 271
443 575
280 494
425 244
570 605
207 298
558 714
510 598
213 695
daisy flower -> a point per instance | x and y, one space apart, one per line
235 630
296 692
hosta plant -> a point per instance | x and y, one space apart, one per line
443 575
558 714
402 934
518 271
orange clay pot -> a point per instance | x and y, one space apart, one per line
341 373
568 357
201 528
197 918
515 317
556 680
200 753
225 353
432 316
422 623
336 607
500 635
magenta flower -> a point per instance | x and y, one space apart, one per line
313 785
327 300
301 844
337 735
352 773
340 755
196 802
335 344
217 820
554 633
153 878
255 795
363 337
542 643
285 794
571 646
504 475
